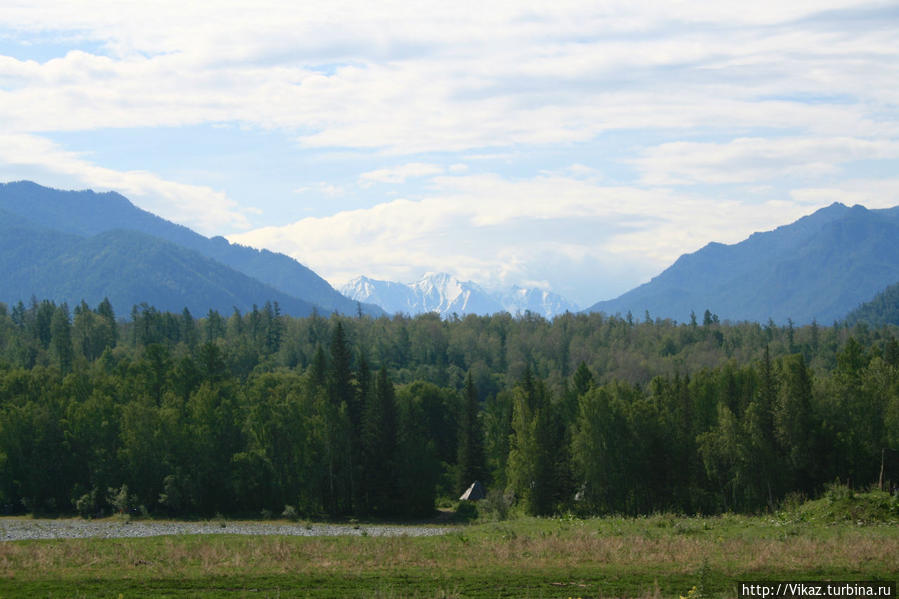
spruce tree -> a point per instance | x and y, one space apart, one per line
532 453
340 380
318 368
61 335
379 444
583 379
471 462
793 420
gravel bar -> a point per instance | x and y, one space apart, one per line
26 529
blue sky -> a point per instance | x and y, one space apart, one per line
577 146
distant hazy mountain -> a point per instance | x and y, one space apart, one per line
86 213
128 267
519 300
446 295
433 293
819 267
882 310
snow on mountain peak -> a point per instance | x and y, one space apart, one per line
445 294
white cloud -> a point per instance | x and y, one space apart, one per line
409 78
400 174
871 193
497 232
199 207
323 188
790 90
749 160
576 171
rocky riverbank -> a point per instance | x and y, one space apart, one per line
18 529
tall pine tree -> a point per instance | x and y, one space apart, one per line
379 444
471 462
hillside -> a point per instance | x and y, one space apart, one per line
817 268
87 213
127 267
883 309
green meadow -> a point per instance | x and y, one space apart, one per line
852 537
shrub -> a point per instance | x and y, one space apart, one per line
121 501
497 504
88 505
290 513
466 511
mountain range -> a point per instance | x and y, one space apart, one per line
446 295
817 268
74 245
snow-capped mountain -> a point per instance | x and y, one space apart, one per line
392 297
518 300
446 295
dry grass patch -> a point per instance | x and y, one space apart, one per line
529 557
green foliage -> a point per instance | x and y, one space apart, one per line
532 475
466 511
379 447
89 505
840 503
120 500
471 463
357 417
882 310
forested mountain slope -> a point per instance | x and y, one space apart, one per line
87 213
817 268
883 309
128 268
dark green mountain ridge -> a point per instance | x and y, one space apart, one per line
882 310
87 213
126 266
817 268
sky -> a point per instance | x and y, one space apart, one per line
579 147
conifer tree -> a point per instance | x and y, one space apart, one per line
583 379
356 415
105 310
597 450
61 335
793 420
379 446
532 453
318 368
471 462
340 381
758 423
188 328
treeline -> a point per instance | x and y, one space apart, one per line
258 412
880 311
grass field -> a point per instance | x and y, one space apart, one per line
657 556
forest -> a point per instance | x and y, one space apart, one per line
261 414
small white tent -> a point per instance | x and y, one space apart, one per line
474 492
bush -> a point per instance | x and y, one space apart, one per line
466 511
837 492
497 504
88 505
172 496
121 501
